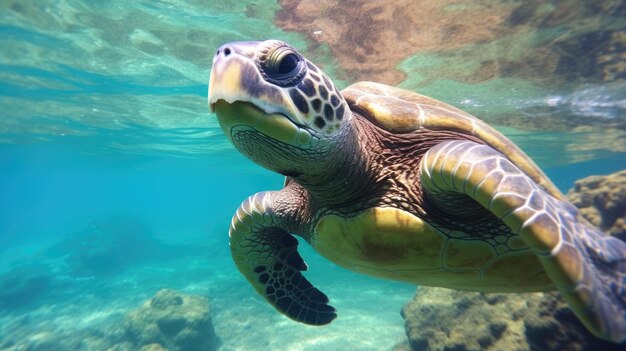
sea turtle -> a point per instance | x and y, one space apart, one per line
393 184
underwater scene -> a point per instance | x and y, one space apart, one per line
121 179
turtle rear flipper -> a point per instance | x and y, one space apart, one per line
586 266
267 256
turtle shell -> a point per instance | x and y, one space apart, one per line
401 111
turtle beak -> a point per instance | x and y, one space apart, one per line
225 81
230 63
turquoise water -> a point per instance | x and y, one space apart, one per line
116 181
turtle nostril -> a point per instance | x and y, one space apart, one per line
226 52
217 53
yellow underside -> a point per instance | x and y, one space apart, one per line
394 244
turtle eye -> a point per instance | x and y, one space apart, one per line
288 64
282 65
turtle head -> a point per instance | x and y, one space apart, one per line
276 107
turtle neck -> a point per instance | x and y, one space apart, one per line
346 176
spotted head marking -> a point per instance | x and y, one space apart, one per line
272 88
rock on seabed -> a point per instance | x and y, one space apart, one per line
171 321
602 201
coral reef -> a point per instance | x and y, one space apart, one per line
171 321
442 319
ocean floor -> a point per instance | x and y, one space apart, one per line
85 312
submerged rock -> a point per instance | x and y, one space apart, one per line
171 321
443 319
602 201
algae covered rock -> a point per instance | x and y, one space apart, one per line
602 201
440 319
443 319
172 321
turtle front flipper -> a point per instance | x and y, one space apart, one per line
586 266
266 254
